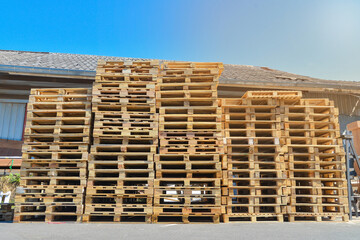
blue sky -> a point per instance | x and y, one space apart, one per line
318 38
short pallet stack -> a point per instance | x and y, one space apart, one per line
188 166
55 154
254 181
284 158
125 138
316 162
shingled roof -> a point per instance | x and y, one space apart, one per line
233 74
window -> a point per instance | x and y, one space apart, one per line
12 120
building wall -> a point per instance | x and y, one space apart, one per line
347 104
345 120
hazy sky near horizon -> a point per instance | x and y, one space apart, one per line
317 38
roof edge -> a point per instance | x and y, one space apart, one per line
39 70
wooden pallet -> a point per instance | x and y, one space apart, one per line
134 108
34 107
121 166
43 217
105 101
182 72
61 199
147 85
176 210
186 218
122 173
190 126
187 88
52 155
127 64
53 189
187 102
103 148
121 71
318 217
116 209
118 218
119 199
266 217
63 147
78 99
135 138
173 191
60 91
53 181
41 173
192 65
126 90
125 78
255 157
189 173
189 134
195 111
58 139
188 183
123 116
56 208
116 182
120 190
121 157
163 94
187 165
273 95
200 118
122 130
58 116
64 130
188 157
191 149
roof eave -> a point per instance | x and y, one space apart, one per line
38 71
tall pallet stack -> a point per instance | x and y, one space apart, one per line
125 138
188 166
253 186
55 154
316 162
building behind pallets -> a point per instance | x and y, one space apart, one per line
125 139
22 70
55 155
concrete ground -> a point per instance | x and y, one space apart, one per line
255 231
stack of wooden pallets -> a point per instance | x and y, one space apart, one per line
284 158
316 162
55 154
157 151
188 166
125 138
253 184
